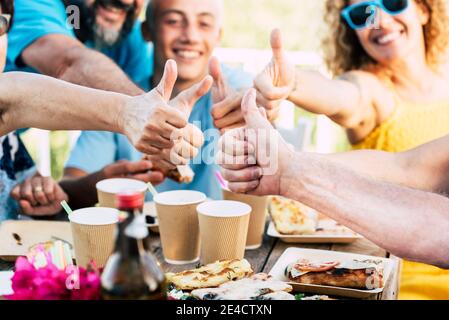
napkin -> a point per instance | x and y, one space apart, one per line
5 283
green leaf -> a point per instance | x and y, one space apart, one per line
299 296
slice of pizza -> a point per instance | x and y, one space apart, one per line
356 274
258 287
291 217
211 275
315 298
182 174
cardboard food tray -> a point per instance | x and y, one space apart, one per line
313 238
291 255
16 237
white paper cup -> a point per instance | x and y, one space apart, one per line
178 225
223 230
109 188
93 231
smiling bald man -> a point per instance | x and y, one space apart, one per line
186 31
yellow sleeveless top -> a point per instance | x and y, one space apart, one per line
409 126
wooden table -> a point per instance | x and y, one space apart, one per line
264 258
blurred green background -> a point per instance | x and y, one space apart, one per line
247 25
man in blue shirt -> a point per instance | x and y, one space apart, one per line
43 40
186 31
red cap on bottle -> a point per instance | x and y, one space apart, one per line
130 200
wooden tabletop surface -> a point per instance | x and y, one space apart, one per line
264 258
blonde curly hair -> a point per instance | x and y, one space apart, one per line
343 51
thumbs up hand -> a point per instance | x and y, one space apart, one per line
254 158
190 138
276 82
148 120
158 126
226 109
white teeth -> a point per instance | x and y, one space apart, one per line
188 54
388 38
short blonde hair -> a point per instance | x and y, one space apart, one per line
343 51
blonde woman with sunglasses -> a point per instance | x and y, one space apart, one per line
389 91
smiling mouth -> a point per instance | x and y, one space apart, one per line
187 54
388 38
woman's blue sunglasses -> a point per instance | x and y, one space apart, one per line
362 15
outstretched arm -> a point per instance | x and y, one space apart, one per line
30 100
351 100
425 167
409 223
150 121
65 58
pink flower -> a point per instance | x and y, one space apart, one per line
50 283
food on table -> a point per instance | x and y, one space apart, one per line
132 272
351 273
312 298
257 287
291 217
182 174
211 275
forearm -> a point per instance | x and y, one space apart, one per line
94 70
28 100
409 223
379 165
338 99
425 167
309 88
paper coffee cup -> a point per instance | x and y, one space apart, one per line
109 188
223 230
93 231
257 218
178 225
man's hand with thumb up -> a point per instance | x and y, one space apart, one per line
276 82
154 123
254 157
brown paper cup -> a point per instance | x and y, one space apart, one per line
109 188
223 230
257 218
178 225
93 231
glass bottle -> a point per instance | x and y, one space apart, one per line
132 272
